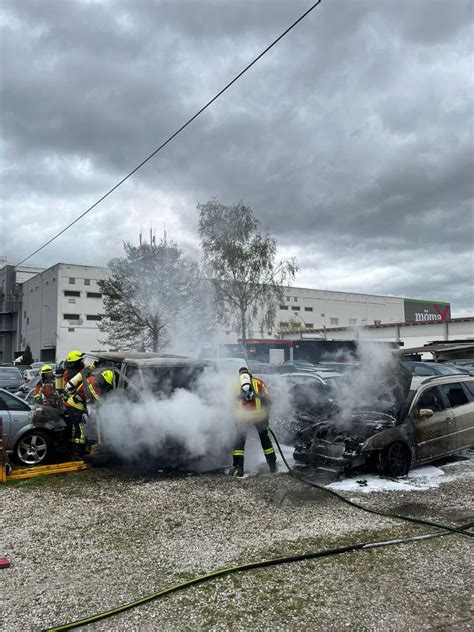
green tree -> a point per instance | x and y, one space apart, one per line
248 281
150 294
27 356
292 325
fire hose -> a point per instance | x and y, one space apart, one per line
360 546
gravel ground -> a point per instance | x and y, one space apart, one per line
83 543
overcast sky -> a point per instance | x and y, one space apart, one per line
352 139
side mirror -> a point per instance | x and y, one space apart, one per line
425 413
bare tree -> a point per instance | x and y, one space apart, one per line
248 282
149 291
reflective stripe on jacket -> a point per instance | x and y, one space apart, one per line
79 399
254 411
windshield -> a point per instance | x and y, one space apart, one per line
10 374
443 369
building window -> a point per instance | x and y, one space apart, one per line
47 282
288 299
94 317
334 321
309 325
71 300
36 288
87 281
71 329
71 316
24 314
295 308
94 295
283 306
352 321
377 322
54 279
72 281
295 299
71 293
28 320
308 309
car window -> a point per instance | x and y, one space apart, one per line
10 374
420 369
444 369
7 402
470 387
455 394
431 398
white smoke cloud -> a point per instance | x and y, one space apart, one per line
180 430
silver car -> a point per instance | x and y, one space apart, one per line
28 441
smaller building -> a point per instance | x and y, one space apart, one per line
11 280
406 334
61 310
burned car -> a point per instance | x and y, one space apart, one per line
403 421
139 375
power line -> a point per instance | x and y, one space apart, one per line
173 135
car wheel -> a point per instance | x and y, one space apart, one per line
33 448
395 460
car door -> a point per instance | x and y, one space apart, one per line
435 435
6 421
20 415
461 405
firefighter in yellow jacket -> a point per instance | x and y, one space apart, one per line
252 409
93 387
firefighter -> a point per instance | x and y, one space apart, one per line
70 375
252 409
92 388
45 391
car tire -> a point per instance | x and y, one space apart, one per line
33 448
394 460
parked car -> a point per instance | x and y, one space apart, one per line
299 364
27 389
297 400
26 440
434 368
412 422
140 373
29 374
10 378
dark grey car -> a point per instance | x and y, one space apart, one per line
27 441
417 421
10 378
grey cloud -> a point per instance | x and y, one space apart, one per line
354 132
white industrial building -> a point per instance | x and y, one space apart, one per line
61 309
308 309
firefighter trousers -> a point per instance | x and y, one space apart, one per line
75 432
239 445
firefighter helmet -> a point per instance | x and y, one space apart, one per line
46 372
108 376
105 380
74 356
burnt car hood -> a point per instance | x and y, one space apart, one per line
365 405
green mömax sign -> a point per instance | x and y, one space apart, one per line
418 311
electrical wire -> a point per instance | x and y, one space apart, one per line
188 122
247 567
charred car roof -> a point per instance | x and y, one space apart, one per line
145 359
